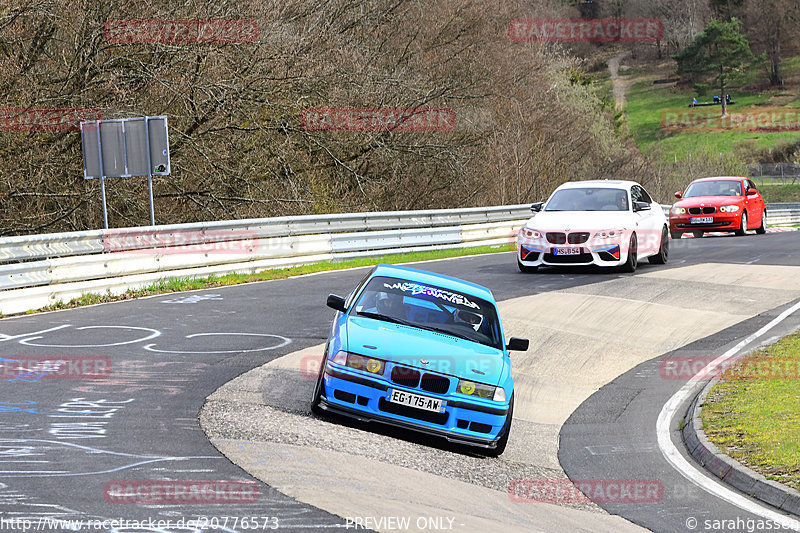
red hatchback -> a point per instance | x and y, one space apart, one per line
718 204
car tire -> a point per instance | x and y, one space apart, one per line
525 268
501 444
663 252
676 234
698 234
632 262
742 231
762 229
317 396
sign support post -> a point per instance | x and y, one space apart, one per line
105 209
149 170
102 179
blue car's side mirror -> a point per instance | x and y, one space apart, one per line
517 345
336 302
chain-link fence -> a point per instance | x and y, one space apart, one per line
775 173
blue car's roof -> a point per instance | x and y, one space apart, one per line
438 280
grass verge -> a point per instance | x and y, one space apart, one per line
647 103
780 193
188 284
752 413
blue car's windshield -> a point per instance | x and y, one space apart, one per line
429 307
588 199
714 188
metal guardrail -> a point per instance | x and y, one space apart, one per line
22 248
39 270
783 214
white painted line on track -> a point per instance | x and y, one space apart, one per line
690 472
283 342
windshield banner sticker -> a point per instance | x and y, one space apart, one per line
447 296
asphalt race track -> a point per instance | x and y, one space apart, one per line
126 413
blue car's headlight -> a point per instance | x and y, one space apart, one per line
359 362
470 388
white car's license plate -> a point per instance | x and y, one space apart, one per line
701 220
415 400
566 251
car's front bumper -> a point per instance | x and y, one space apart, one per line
720 222
605 255
359 396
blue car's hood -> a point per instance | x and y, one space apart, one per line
410 346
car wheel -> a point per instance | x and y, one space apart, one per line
501 444
663 253
742 231
762 229
676 234
698 234
525 268
632 262
317 396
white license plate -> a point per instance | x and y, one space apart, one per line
701 220
415 400
566 251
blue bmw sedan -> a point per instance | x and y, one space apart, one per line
421 351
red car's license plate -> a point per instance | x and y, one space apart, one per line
701 220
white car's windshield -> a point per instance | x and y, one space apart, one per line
589 199
433 308
714 188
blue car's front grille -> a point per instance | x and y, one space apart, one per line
434 383
408 377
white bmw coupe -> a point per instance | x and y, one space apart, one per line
605 223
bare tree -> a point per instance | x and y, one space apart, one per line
239 147
771 27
